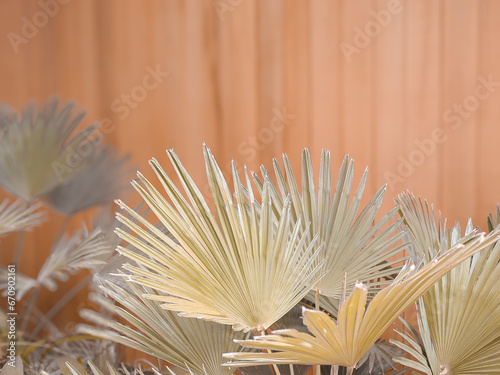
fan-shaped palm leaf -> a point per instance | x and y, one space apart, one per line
192 344
426 235
18 216
37 150
238 267
461 311
97 182
345 341
353 243
419 346
82 251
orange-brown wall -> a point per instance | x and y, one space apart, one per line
231 68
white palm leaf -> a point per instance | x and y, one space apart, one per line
345 341
354 243
428 236
239 267
461 311
18 216
81 251
192 344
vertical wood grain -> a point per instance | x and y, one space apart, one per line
232 64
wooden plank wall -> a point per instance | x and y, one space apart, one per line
400 85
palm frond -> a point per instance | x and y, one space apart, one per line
378 359
38 150
427 235
18 216
192 344
419 346
23 283
237 267
461 313
81 251
345 341
494 220
354 243
111 370
98 182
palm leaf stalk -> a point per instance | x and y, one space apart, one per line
354 243
345 341
460 314
237 267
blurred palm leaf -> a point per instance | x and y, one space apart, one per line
346 341
7 116
123 370
378 360
353 244
81 251
17 369
238 267
493 221
23 283
97 182
461 313
19 216
192 344
37 149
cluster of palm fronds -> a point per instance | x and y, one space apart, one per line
270 276
47 162
244 265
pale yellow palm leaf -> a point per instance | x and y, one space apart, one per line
345 341
241 266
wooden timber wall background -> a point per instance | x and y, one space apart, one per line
408 88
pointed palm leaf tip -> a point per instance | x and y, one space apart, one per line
239 266
459 317
345 341
354 243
